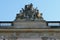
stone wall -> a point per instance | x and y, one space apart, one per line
31 35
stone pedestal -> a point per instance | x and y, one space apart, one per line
30 24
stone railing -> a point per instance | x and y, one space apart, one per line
53 24
6 24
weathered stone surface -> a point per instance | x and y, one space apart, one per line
30 24
31 35
29 18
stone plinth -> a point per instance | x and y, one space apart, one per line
30 24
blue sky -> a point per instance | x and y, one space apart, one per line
49 8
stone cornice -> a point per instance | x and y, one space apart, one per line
29 30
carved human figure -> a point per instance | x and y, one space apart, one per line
28 12
30 6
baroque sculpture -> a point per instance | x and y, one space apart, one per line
29 13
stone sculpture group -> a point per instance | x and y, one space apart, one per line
29 13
